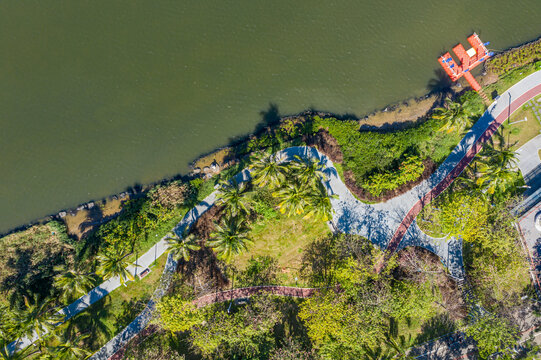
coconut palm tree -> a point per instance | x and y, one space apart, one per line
115 264
497 169
230 238
69 349
25 353
400 345
308 171
319 206
73 283
268 170
293 198
233 197
37 318
455 115
180 246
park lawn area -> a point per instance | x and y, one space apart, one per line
105 318
27 259
283 238
519 133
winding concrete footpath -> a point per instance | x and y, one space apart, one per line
390 225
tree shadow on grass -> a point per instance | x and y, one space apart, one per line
92 321
437 326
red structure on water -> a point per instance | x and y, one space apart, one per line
468 60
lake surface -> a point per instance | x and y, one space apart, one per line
96 96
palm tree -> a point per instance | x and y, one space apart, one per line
230 238
268 170
319 206
378 353
27 352
293 198
37 318
400 345
180 246
309 171
73 283
69 349
233 197
115 264
454 115
496 170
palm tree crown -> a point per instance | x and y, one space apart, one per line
180 246
233 197
293 198
455 116
114 264
37 318
73 283
230 238
319 206
496 170
309 171
268 170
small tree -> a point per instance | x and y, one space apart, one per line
493 334
177 314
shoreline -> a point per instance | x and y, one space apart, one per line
402 114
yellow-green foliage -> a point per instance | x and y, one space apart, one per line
372 154
177 314
409 170
502 63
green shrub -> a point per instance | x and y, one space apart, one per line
526 54
410 169
367 153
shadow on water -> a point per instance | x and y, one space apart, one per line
441 83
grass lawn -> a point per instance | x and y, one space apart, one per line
520 132
105 318
283 238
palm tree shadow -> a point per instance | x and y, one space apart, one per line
441 83
92 321
269 117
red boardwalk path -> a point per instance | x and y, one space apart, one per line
466 160
251 291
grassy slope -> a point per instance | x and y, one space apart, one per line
283 238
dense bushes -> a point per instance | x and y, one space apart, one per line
502 63
409 170
375 156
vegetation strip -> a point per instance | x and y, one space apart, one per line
474 150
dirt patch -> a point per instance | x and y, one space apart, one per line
204 226
420 265
326 144
81 223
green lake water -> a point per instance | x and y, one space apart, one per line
96 96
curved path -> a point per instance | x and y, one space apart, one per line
241 293
390 225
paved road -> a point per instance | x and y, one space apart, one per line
390 225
